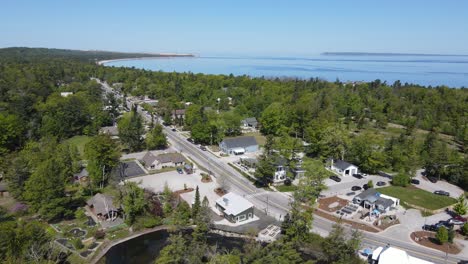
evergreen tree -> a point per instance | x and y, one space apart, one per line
156 139
103 155
133 202
196 205
131 130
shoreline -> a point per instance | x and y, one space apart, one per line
150 56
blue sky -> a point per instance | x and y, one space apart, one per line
238 27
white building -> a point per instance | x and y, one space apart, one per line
391 255
235 208
66 94
343 168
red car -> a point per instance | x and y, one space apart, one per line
457 220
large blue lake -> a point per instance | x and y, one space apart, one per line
419 69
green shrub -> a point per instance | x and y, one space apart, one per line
151 222
442 235
464 229
401 179
80 214
77 243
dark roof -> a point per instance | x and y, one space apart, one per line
101 203
148 159
170 157
240 142
384 202
341 164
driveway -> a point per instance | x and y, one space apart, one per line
425 184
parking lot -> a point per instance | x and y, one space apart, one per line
425 184
344 187
177 182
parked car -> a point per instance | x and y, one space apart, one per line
430 227
180 171
445 223
174 130
356 188
335 178
414 181
456 222
432 179
203 148
439 192
190 140
365 186
380 183
358 176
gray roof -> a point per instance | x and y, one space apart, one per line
101 203
148 159
367 194
342 165
3 186
384 202
170 157
240 142
82 173
110 130
250 121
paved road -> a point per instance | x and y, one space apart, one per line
275 203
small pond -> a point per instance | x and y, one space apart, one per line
77 232
145 249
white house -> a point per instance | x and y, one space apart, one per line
343 168
235 208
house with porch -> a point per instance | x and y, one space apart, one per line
152 162
235 208
102 207
343 168
250 123
373 200
280 165
239 145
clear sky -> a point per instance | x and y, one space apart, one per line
238 27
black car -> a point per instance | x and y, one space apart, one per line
430 227
203 148
442 193
414 181
365 186
432 179
335 178
358 176
190 140
173 130
447 224
381 183
356 188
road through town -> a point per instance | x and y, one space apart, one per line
277 204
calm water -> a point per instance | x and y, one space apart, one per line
425 70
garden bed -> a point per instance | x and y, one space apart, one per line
427 239
332 204
351 223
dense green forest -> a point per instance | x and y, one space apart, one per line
397 128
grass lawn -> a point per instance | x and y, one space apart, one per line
418 197
284 188
79 142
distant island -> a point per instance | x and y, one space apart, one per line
384 54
